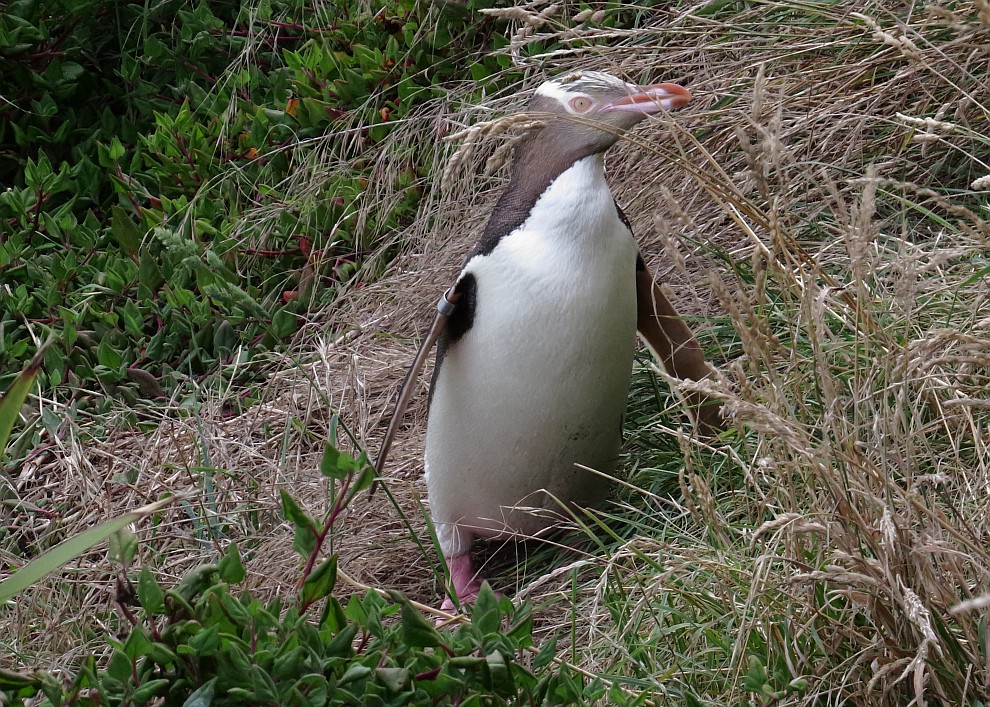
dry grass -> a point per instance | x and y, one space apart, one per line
814 209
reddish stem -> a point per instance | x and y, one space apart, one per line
321 535
429 674
197 70
189 159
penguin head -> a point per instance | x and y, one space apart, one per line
593 109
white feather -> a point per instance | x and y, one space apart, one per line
570 85
540 381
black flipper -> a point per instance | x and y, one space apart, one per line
445 308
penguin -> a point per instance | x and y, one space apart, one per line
536 337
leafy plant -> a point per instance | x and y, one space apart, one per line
207 642
764 687
152 221
12 399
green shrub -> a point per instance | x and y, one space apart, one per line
206 642
140 142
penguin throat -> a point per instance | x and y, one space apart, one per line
534 173
576 208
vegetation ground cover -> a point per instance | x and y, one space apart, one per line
822 212
157 216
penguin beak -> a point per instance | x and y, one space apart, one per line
650 99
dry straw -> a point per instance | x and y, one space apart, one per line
522 124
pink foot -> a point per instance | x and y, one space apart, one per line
465 582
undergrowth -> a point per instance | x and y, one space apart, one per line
836 548
152 217
823 215
208 641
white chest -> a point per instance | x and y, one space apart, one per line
539 382
572 228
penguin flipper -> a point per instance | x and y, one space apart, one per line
672 342
445 308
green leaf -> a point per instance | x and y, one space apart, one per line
156 344
150 594
203 696
72 548
149 273
206 642
125 232
355 671
617 697
69 330
479 71
294 512
546 654
162 654
143 694
108 356
416 630
13 399
230 566
320 582
154 48
238 659
236 611
11 681
116 149
137 644
304 540
337 464
497 666
342 645
713 8
195 582
333 619
123 547
467 662
394 679
264 687
486 616
756 677
284 323
521 631
119 667
131 314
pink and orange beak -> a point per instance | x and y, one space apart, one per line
651 99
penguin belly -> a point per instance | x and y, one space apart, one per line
536 385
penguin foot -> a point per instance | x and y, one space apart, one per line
465 582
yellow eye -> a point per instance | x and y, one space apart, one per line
581 104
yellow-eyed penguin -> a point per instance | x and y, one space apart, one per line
536 336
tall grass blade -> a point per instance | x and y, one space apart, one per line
65 551
10 403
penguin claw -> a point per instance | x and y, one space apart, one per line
448 603
465 583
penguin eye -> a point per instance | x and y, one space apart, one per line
581 104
